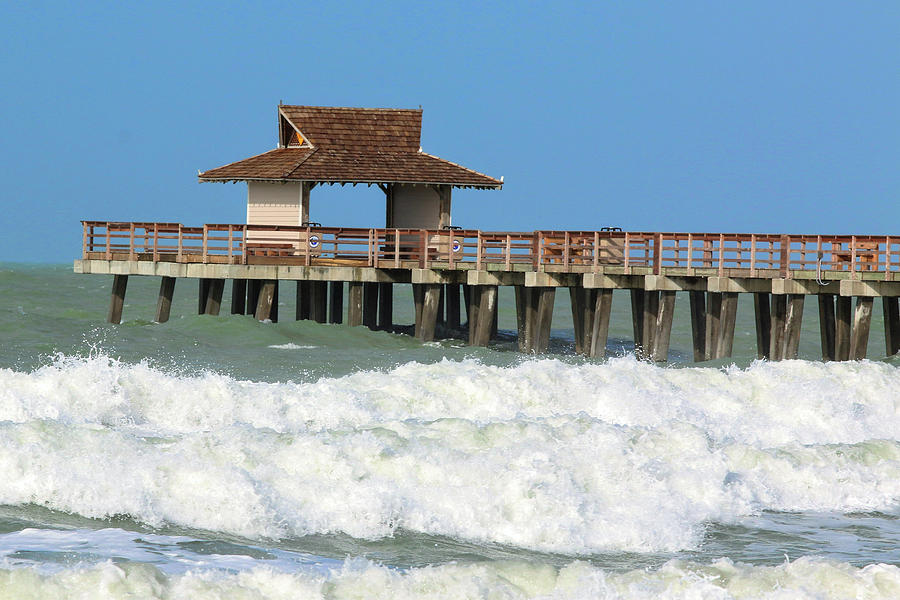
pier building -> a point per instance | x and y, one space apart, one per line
455 273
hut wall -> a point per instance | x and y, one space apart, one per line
416 206
273 204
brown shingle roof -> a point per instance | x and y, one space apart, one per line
354 145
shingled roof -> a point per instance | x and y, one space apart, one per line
350 145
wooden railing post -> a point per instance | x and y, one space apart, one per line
108 242
205 242
753 255
627 253
244 251
308 260
230 243
690 256
721 270
84 239
423 241
566 240
853 257
397 248
596 251
657 253
479 246
180 257
131 253
508 251
155 242
785 255
888 274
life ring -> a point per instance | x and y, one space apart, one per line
456 246
313 241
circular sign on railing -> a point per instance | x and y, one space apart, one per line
313 241
456 246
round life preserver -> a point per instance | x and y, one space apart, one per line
314 241
456 246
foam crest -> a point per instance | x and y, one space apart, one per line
543 455
801 579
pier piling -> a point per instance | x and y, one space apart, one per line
698 323
663 326
164 300
600 322
202 295
859 336
370 305
891 308
318 301
267 300
238 296
826 326
763 312
386 306
430 298
117 300
336 302
215 288
253 286
354 303
842 313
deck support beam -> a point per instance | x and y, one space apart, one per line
891 308
117 299
354 303
727 321
336 302
386 306
862 318
164 301
779 318
238 296
763 312
268 301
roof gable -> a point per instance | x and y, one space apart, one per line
359 129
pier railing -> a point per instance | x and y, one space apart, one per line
701 254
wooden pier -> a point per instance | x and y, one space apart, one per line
456 271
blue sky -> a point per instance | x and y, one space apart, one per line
702 116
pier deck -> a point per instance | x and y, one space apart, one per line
711 267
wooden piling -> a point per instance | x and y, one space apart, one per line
474 307
266 300
663 326
441 311
354 303
792 324
544 319
522 297
202 295
253 286
238 296
637 320
215 290
589 307
600 325
651 312
164 301
273 314
827 326
843 312
779 317
576 299
713 319
467 298
430 300
336 302
117 299
370 305
762 311
891 308
859 337
318 301
386 306
727 321
698 324
418 300
453 305
304 300
487 308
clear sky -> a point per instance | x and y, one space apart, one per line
668 116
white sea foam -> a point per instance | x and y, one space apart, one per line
292 346
544 455
722 580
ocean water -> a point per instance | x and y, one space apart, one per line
219 457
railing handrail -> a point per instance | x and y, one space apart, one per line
559 250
